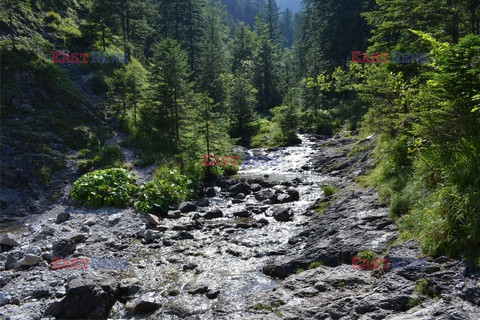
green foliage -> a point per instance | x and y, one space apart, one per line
168 189
315 265
328 191
111 187
105 157
366 255
52 17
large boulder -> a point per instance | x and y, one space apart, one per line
88 297
282 214
10 240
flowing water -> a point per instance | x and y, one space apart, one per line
229 256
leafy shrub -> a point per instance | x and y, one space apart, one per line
328 191
52 17
168 188
111 187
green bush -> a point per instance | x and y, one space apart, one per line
111 187
328 191
168 188
52 18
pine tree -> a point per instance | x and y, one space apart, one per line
169 87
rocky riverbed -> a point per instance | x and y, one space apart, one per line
268 244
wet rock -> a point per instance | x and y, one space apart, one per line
187 207
241 187
282 214
176 214
255 187
199 290
63 217
10 240
214 214
29 260
209 192
263 195
152 219
237 201
213 294
240 196
242 214
189 266
196 216
203 202
64 248
284 198
2 266
293 193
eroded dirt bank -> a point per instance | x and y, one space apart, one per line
237 253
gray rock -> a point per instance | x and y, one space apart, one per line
10 240
284 198
63 217
187 207
147 303
240 196
214 214
282 214
13 258
64 248
255 187
42 292
90 222
204 202
89 297
29 260
2 266
114 219
293 193
48 231
174 214
152 219
4 298
199 290
210 192
36 250
241 187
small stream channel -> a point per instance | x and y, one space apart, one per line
227 254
